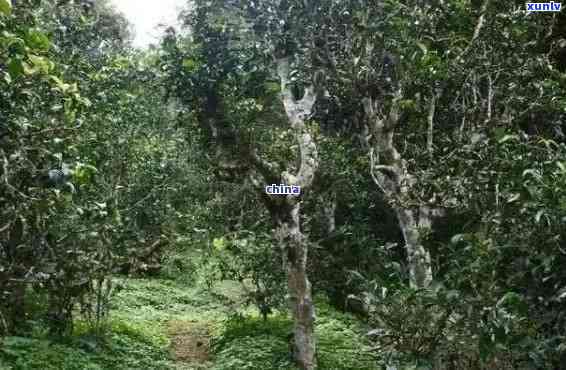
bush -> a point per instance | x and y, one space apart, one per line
440 328
250 259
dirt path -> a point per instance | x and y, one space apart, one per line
190 343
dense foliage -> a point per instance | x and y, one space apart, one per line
428 139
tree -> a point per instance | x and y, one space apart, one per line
74 107
230 75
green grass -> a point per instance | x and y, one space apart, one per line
125 348
250 343
138 337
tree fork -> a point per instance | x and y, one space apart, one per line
395 181
289 232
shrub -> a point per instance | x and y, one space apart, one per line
439 328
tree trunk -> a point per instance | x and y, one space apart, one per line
293 243
285 210
329 212
18 264
294 247
16 305
418 258
389 172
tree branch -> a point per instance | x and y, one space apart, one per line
478 29
430 119
297 112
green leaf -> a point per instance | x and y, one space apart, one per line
5 7
423 47
84 101
513 197
41 64
538 216
29 69
272 87
534 173
84 173
508 138
15 67
408 104
60 85
218 244
499 133
457 238
100 205
510 298
37 40
189 64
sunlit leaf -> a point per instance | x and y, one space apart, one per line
423 47
513 197
532 172
218 244
507 138
189 64
41 64
5 7
38 40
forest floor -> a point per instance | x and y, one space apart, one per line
190 342
165 324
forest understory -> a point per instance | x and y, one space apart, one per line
422 144
167 324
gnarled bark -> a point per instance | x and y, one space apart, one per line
284 210
390 174
294 247
418 258
293 243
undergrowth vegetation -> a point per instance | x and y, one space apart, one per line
127 346
249 342
137 336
